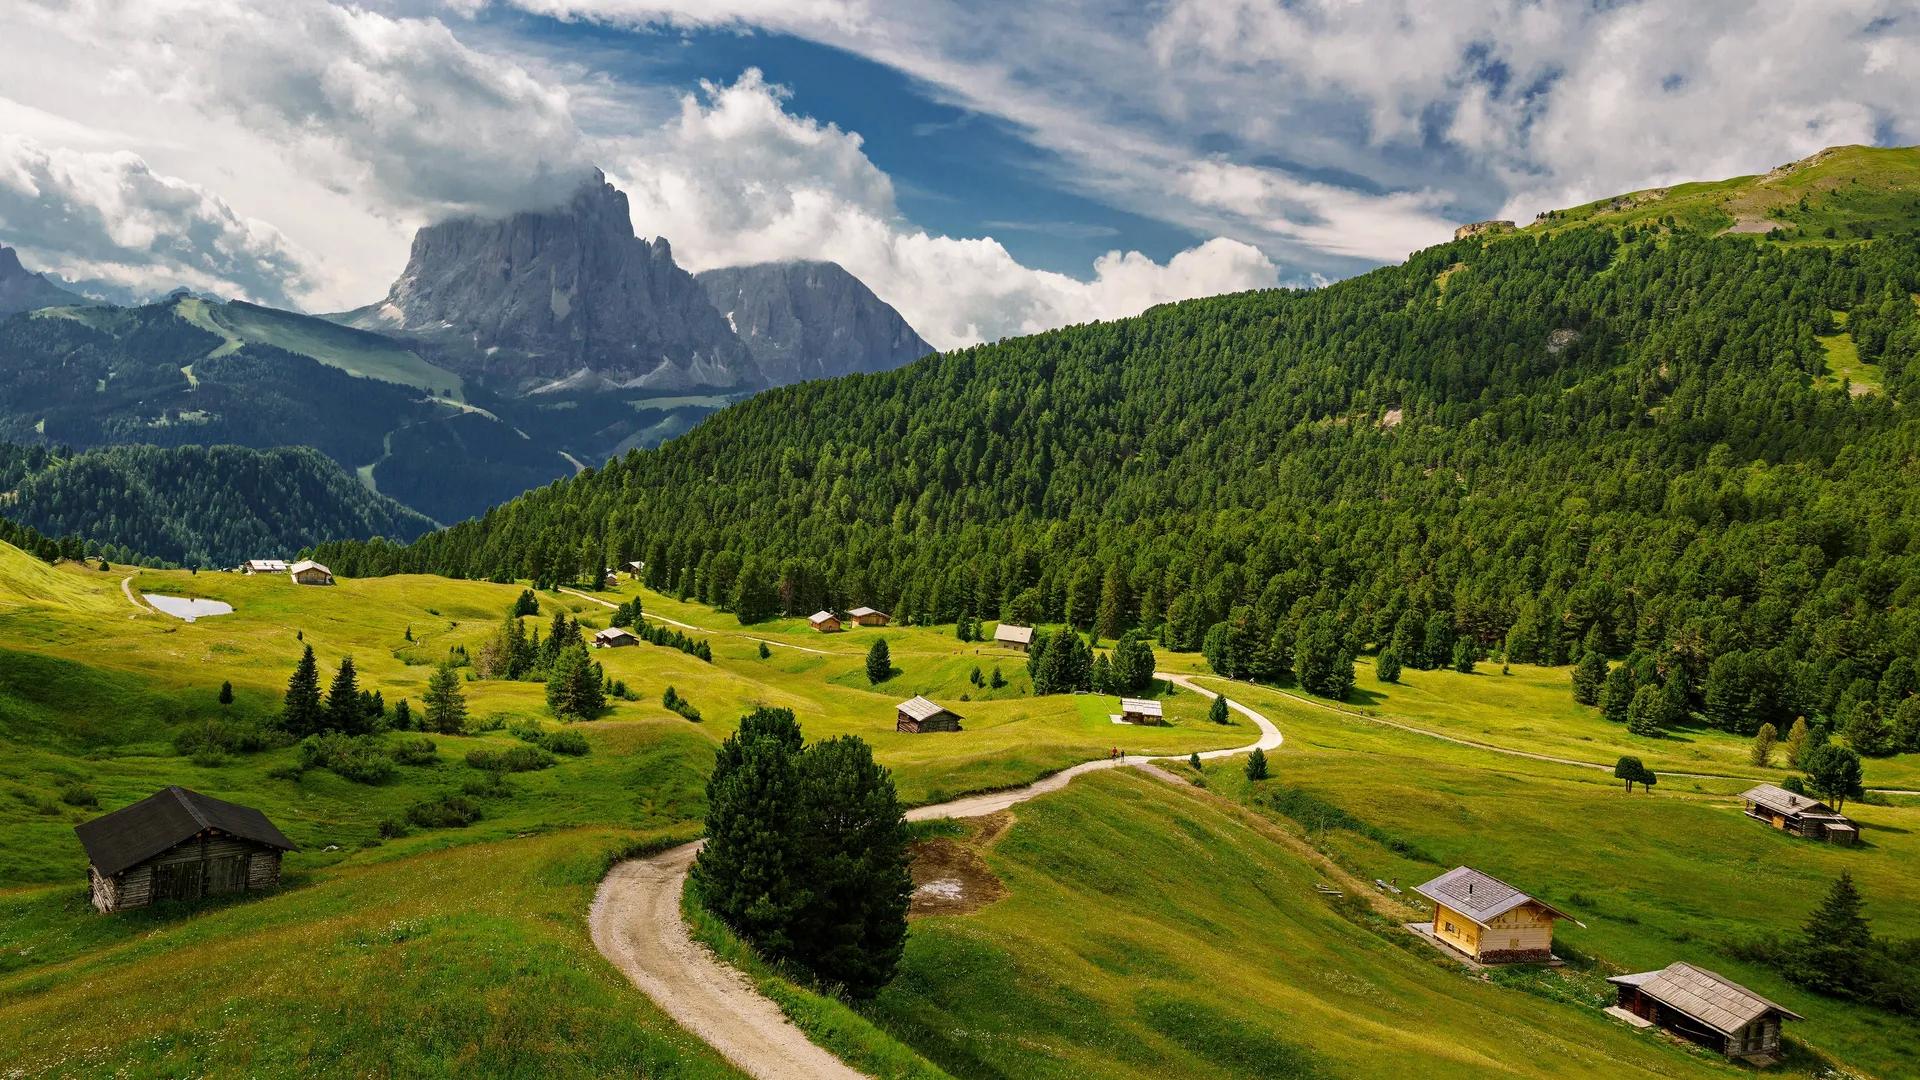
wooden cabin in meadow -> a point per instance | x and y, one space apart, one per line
635 569
179 845
1799 815
866 616
613 637
1014 637
1142 711
264 566
1489 920
1708 1009
825 622
917 715
308 572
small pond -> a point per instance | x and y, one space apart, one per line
181 608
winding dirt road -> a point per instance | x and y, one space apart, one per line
637 925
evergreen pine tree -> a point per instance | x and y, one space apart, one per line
1257 764
1837 942
1616 693
1217 712
1193 761
1762 753
346 712
1386 667
879 662
1590 674
402 715
764 651
226 693
1833 773
1647 714
853 928
1463 658
445 702
302 714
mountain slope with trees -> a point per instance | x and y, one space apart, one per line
196 505
1521 445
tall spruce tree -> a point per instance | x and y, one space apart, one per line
346 711
1836 945
445 703
853 928
879 662
1590 674
302 714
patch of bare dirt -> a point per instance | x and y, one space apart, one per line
950 879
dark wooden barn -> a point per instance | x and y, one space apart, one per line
1706 1008
917 715
179 845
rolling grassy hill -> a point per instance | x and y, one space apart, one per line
356 352
1857 192
1146 929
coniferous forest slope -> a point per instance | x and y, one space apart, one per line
1696 445
195 505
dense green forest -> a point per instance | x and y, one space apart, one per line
1629 437
194 505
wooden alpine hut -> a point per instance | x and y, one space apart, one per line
866 616
1489 920
613 637
1016 637
1142 711
308 572
1706 1008
179 845
825 622
917 716
1799 815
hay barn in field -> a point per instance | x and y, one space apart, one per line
308 572
1708 1009
824 621
179 845
1142 711
613 637
1799 815
917 715
866 616
1017 637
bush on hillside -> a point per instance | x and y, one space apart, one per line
416 752
512 759
446 812
359 758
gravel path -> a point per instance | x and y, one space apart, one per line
636 924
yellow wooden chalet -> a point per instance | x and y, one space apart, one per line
1489 920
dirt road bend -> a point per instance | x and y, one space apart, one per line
637 925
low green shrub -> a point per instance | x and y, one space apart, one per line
416 752
359 758
446 812
512 759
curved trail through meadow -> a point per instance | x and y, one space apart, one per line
690 626
637 925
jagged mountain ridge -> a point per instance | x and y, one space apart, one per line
570 300
810 320
23 290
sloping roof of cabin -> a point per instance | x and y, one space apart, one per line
170 816
1144 706
821 616
612 633
859 611
309 564
921 709
1480 897
1713 999
1782 801
1019 635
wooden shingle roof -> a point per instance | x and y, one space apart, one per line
860 611
1018 635
1713 999
170 816
820 616
1480 897
1781 801
921 709
1143 706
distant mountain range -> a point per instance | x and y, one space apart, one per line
509 352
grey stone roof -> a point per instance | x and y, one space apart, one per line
170 816
1480 897
1714 1000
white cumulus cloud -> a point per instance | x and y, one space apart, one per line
108 216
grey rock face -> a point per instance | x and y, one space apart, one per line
567 298
23 290
811 320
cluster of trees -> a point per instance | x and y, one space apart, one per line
1634 771
628 615
806 852
1596 433
1837 954
345 709
1063 662
577 684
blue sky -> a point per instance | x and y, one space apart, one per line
989 167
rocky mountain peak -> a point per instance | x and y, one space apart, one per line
23 290
811 320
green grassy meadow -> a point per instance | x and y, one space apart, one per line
1148 928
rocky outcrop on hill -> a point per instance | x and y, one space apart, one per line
568 296
810 320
